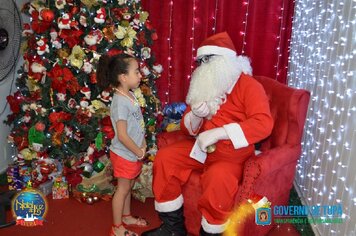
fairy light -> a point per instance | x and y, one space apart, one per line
169 59
215 16
192 38
323 61
281 29
243 33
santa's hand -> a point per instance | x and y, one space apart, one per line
210 137
201 109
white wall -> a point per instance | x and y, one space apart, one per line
6 151
323 61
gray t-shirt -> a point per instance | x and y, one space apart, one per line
122 108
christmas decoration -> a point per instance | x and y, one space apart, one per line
173 113
57 83
60 188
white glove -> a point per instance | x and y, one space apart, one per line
210 137
192 123
201 109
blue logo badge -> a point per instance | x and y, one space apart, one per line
29 207
263 216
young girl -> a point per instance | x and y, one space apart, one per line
128 147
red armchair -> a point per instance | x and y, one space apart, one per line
270 173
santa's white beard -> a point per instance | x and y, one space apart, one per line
212 81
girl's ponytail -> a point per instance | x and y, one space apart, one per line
102 71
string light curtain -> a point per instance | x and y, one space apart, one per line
260 29
323 61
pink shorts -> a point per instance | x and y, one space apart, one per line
124 168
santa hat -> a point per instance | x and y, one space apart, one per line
218 44
53 30
44 40
101 11
105 95
85 90
258 201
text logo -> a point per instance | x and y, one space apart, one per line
29 207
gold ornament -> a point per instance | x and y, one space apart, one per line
24 47
51 96
143 16
146 90
90 3
141 100
28 154
172 127
211 148
151 157
127 34
98 104
151 128
32 84
77 57
56 139
109 33
63 53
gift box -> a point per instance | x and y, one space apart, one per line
60 189
46 187
18 176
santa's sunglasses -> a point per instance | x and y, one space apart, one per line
204 59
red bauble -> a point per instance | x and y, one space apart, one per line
47 15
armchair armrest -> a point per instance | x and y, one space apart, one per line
265 164
276 158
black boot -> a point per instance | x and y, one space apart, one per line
203 233
173 224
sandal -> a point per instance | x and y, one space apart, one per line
126 233
140 222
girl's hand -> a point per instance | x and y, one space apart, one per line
143 151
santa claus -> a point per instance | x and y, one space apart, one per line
100 16
228 113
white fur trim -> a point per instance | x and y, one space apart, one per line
260 203
208 50
212 229
190 120
232 87
236 135
244 65
170 205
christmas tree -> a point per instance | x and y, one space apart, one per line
58 110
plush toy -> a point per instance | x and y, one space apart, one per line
64 22
54 39
100 16
42 47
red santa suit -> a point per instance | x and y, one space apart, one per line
245 117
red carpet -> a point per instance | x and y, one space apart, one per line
69 217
